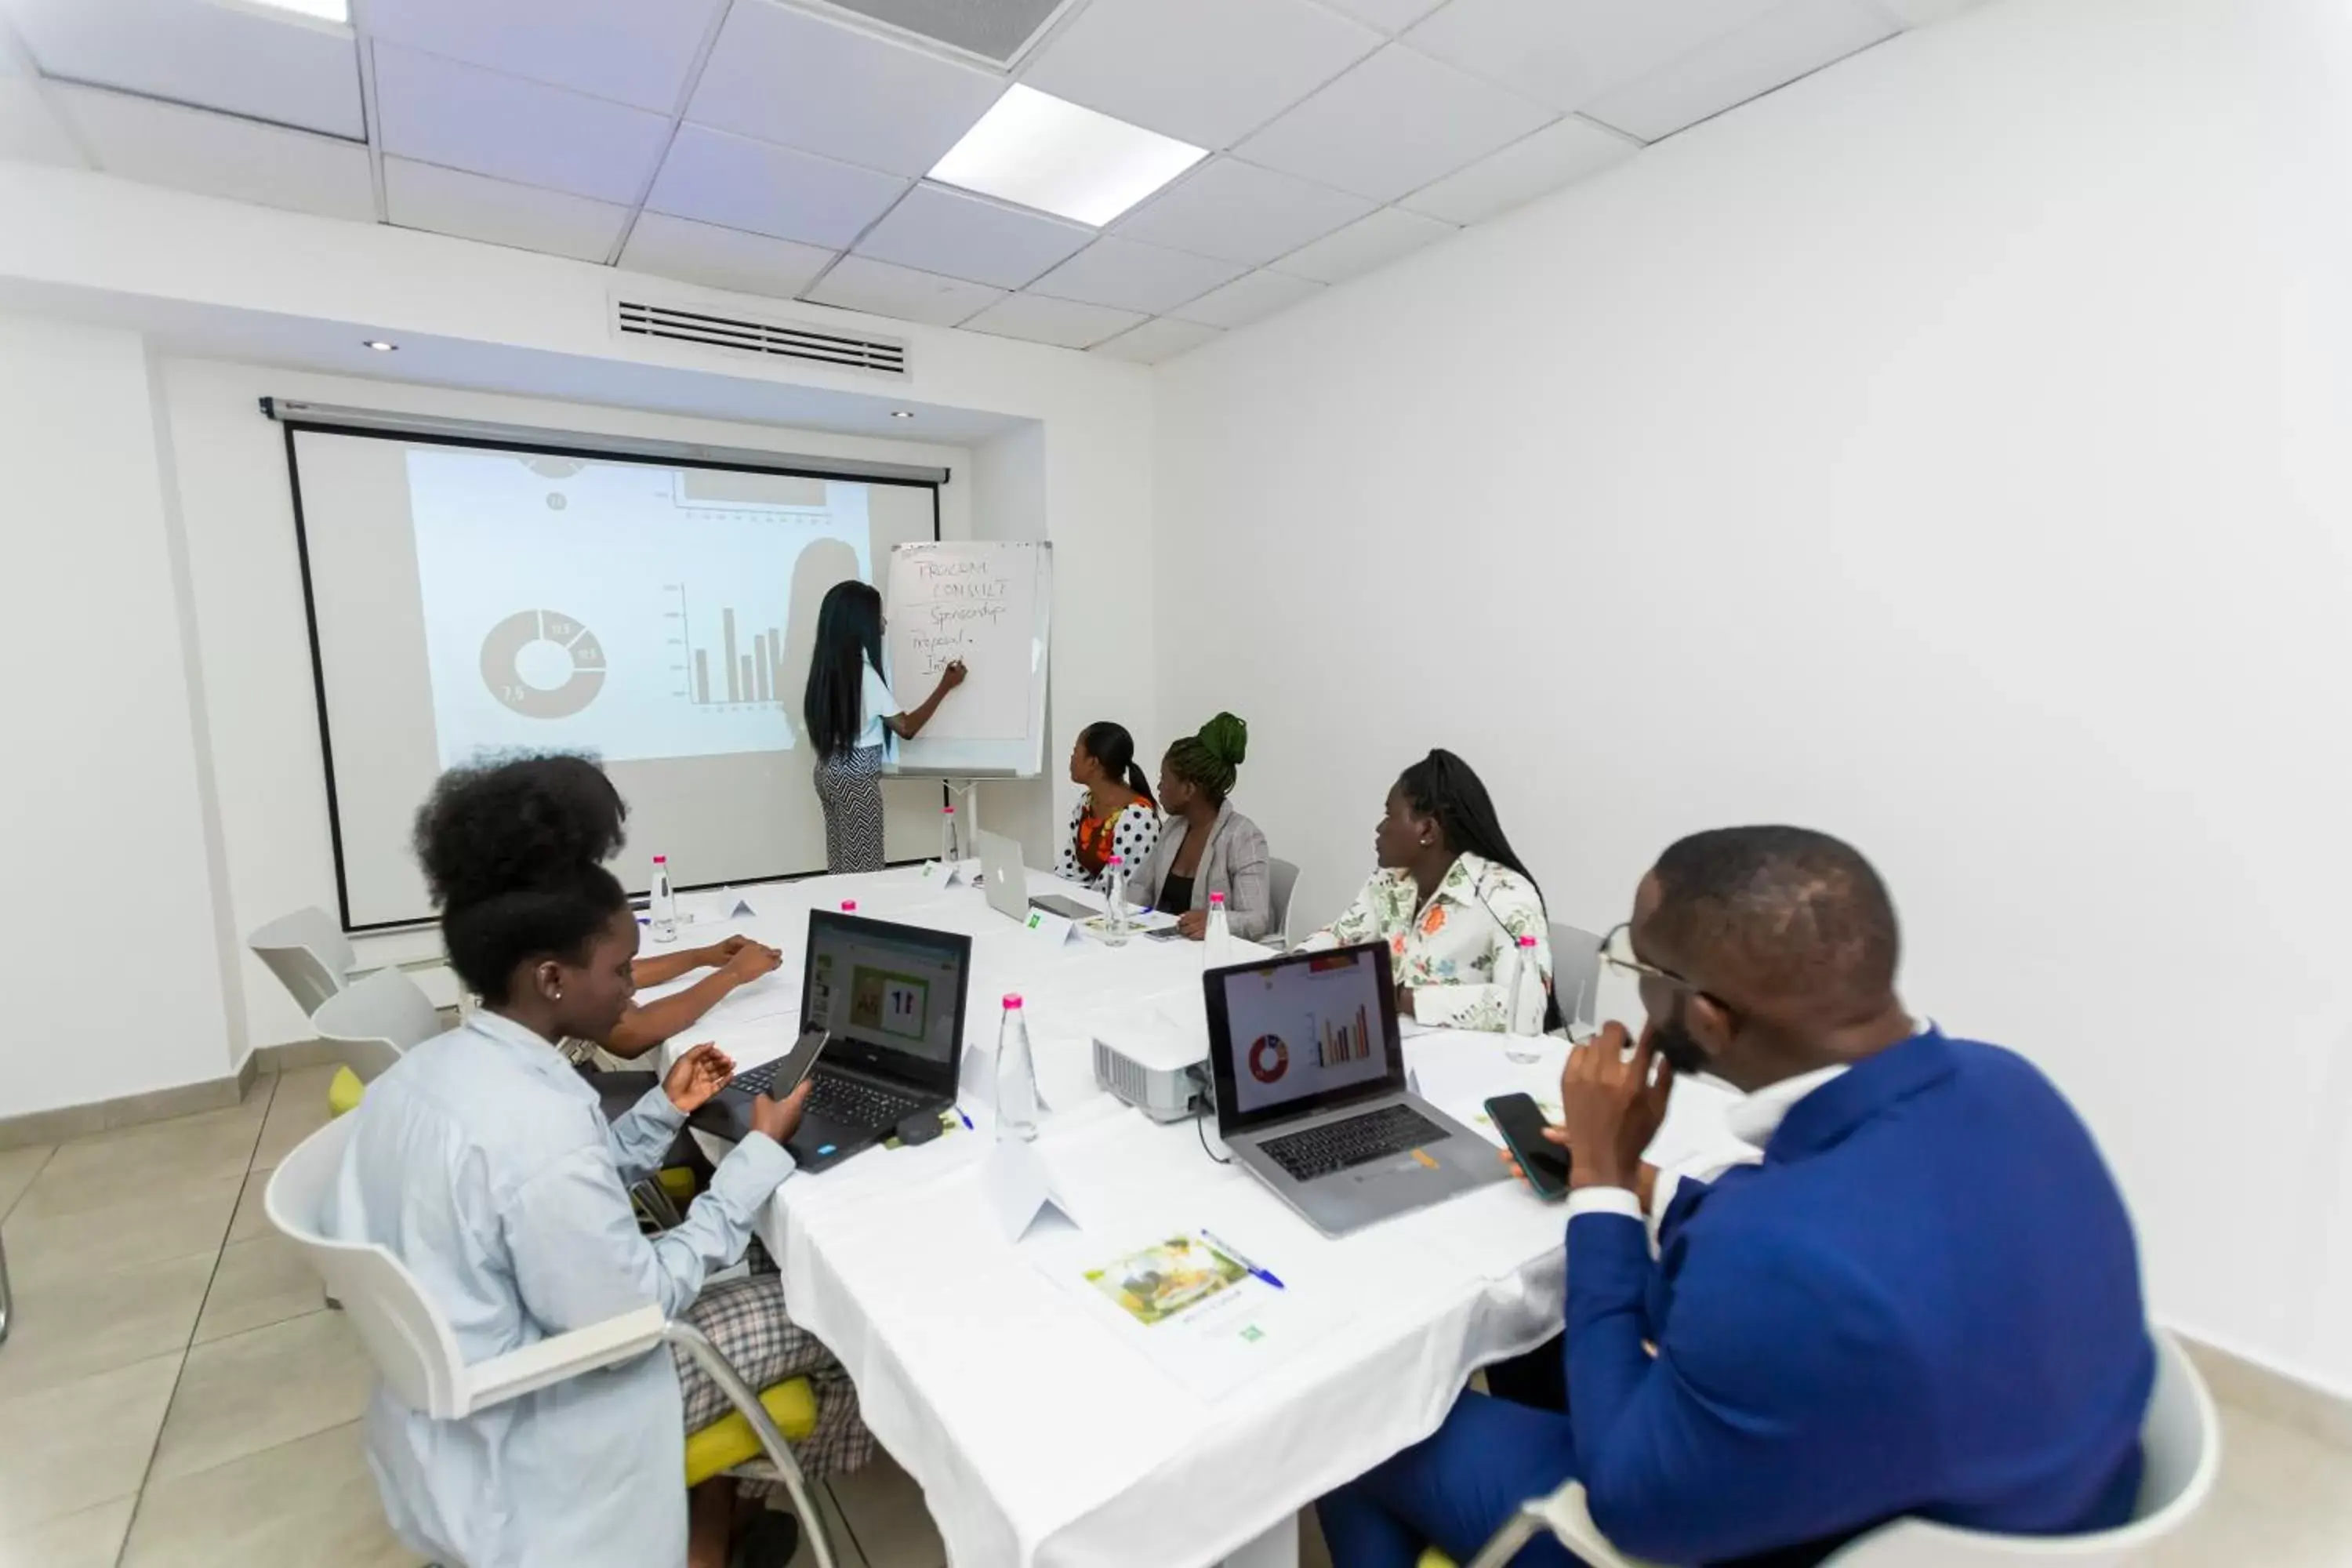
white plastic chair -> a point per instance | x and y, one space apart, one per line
1281 882
370 1022
1575 975
309 953
416 1355
2180 1442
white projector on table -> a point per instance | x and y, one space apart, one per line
1156 1064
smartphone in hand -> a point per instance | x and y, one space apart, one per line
1520 1121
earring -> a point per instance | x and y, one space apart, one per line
559 993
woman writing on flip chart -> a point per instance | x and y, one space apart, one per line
1208 847
1116 816
1451 901
853 718
482 1162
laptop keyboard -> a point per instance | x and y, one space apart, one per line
758 1080
1358 1141
846 1102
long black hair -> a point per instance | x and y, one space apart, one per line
513 852
1442 785
848 639
1114 747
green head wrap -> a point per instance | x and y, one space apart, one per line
1212 759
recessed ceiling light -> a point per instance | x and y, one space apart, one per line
381 346
1037 149
902 413
316 10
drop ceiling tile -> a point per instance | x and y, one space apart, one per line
28 131
720 258
626 50
1558 154
1206 71
1246 300
1156 341
1793 40
239 58
960 235
1388 15
738 182
878 289
1063 323
1393 124
219 154
463 117
1242 213
475 206
1132 276
1566 53
799 80
1357 248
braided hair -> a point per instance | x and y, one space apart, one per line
1210 760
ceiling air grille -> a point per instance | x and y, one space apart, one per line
749 335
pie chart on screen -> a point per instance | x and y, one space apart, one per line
542 664
1269 1058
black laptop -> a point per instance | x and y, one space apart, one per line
892 999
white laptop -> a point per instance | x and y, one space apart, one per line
1005 880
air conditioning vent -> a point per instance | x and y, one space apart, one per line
749 335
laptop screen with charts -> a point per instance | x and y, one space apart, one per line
892 995
1305 1033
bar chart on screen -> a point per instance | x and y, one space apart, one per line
725 657
1341 1043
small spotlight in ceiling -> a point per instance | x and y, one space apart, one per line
902 413
381 346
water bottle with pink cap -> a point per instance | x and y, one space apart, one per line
1016 1075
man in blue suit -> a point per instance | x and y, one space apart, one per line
1924 1301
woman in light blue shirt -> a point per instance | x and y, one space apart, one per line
486 1166
852 715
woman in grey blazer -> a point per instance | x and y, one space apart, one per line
1207 846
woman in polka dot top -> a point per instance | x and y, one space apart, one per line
1116 816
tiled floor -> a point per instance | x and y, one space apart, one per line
173 1394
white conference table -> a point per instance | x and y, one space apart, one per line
1038 1436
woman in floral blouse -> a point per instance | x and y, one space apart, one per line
1452 902
1117 815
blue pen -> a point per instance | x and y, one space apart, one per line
1230 1250
967 1120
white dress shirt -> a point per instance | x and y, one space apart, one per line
1753 1121
484 1162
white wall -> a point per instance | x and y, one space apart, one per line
113 938
238 507
1950 451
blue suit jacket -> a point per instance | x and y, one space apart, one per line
1925 1300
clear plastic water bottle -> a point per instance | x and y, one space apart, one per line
1217 941
661 909
947 856
1016 1075
1524 973
1115 921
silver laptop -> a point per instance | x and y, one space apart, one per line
1311 1097
1006 882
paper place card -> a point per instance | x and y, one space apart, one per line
1019 1186
1049 928
946 873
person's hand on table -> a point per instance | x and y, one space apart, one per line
1612 1106
780 1118
751 960
1194 923
1404 1002
695 1076
716 955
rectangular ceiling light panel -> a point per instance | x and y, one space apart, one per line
1037 151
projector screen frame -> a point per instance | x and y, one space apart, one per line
294 417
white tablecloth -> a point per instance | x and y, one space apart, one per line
1036 1434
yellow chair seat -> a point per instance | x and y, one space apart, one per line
1433 1558
343 1093
729 1442
678 1183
